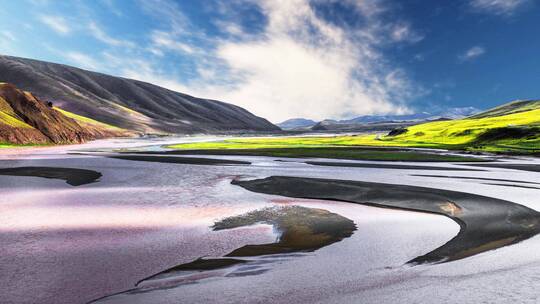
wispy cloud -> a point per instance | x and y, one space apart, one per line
403 32
300 64
56 23
141 69
83 61
472 53
111 6
166 40
102 36
294 64
498 7
7 35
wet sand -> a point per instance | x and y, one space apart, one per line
522 167
72 176
515 186
387 166
486 223
477 178
341 152
63 244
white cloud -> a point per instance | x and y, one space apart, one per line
498 7
7 43
404 33
304 66
298 65
56 23
168 41
140 69
8 35
100 35
83 61
472 53
111 6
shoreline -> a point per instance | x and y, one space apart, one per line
485 223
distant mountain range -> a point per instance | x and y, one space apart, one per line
376 122
126 103
296 123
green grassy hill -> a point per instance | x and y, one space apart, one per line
88 122
513 127
516 132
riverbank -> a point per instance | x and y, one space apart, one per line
143 217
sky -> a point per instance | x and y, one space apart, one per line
283 59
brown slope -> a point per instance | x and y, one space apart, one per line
29 120
21 136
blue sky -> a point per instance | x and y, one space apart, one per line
296 58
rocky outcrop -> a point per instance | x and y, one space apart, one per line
13 135
25 119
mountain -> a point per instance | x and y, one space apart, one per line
126 103
296 123
389 122
25 119
449 113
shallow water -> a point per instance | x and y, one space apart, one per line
64 244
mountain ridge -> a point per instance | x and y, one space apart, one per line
126 103
376 122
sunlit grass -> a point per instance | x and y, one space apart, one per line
8 116
2 146
454 134
9 145
12 121
462 132
85 120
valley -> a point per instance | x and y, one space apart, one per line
164 227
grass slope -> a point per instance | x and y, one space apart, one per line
83 120
9 118
518 132
468 133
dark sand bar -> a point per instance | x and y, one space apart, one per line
486 223
180 160
302 230
72 176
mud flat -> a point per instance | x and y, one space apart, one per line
477 178
180 160
387 166
351 153
486 223
522 167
